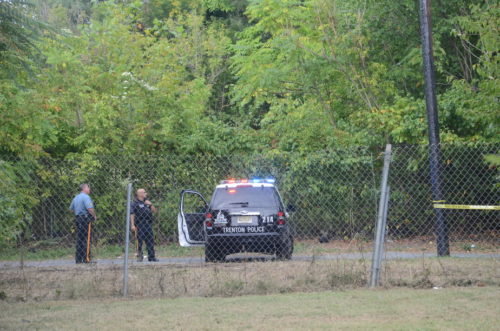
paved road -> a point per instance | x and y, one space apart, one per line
238 259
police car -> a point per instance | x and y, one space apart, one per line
245 215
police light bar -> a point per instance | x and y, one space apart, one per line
247 181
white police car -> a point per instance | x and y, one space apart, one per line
245 215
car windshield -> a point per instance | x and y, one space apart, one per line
245 197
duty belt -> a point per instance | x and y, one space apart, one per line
82 217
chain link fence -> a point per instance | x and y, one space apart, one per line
470 178
327 201
334 194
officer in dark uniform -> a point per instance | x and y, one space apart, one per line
83 208
141 219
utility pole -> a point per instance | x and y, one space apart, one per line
443 248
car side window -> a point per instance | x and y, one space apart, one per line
277 197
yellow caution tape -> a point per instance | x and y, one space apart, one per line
447 206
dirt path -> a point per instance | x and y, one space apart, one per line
242 258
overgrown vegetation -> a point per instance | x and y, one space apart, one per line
81 79
236 279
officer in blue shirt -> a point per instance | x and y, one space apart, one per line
141 219
83 208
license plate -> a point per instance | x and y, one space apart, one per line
246 229
245 219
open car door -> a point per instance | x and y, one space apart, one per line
191 219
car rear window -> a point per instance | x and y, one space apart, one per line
245 197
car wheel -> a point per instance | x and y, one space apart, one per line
213 254
284 249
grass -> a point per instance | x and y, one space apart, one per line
47 252
419 244
51 250
473 308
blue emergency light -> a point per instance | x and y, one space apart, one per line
263 180
268 180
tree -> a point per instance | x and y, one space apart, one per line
19 32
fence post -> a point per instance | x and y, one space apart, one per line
382 237
127 241
381 219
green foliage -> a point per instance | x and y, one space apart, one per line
493 159
471 104
19 33
184 77
17 198
212 77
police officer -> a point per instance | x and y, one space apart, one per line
83 208
141 219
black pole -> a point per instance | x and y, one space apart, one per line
443 248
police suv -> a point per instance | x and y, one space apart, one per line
245 215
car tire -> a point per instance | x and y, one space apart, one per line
214 254
284 249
